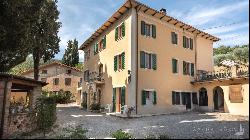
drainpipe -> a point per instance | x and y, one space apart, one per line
3 110
136 86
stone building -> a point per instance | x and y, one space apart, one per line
59 76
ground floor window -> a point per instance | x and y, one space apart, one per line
148 97
175 98
203 99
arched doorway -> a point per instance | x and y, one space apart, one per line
218 97
203 99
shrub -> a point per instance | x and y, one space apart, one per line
84 104
119 134
73 133
62 97
164 137
46 112
150 137
95 106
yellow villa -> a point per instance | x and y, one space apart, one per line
143 58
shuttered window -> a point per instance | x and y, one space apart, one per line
174 66
174 38
188 42
175 98
148 60
120 32
119 62
148 29
56 81
148 97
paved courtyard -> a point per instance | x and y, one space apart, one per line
185 125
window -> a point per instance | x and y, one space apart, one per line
174 38
175 98
119 62
188 68
188 42
148 60
235 95
120 31
86 76
203 99
175 66
99 46
148 97
56 81
44 79
194 98
68 71
44 71
148 29
67 81
87 55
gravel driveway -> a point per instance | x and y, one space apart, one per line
187 125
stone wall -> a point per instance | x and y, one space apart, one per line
21 122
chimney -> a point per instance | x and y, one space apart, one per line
163 11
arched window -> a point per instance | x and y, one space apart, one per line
203 99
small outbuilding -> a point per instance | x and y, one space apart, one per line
17 101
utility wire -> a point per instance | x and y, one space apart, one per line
225 25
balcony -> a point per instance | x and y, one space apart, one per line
96 78
234 73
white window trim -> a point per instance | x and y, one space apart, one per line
151 60
151 99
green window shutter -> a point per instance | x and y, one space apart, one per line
173 98
153 31
155 99
187 43
192 69
94 49
176 39
104 42
115 63
123 29
142 59
191 43
184 42
174 65
184 67
172 37
123 96
154 61
142 27
123 60
143 99
116 33
114 99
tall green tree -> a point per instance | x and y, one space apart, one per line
45 42
15 27
71 55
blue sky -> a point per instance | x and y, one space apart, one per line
80 18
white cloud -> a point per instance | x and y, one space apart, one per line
201 14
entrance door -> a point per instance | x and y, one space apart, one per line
218 99
118 100
188 99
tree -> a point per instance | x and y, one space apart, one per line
75 54
71 55
241 54
15 21
45 42
67 54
